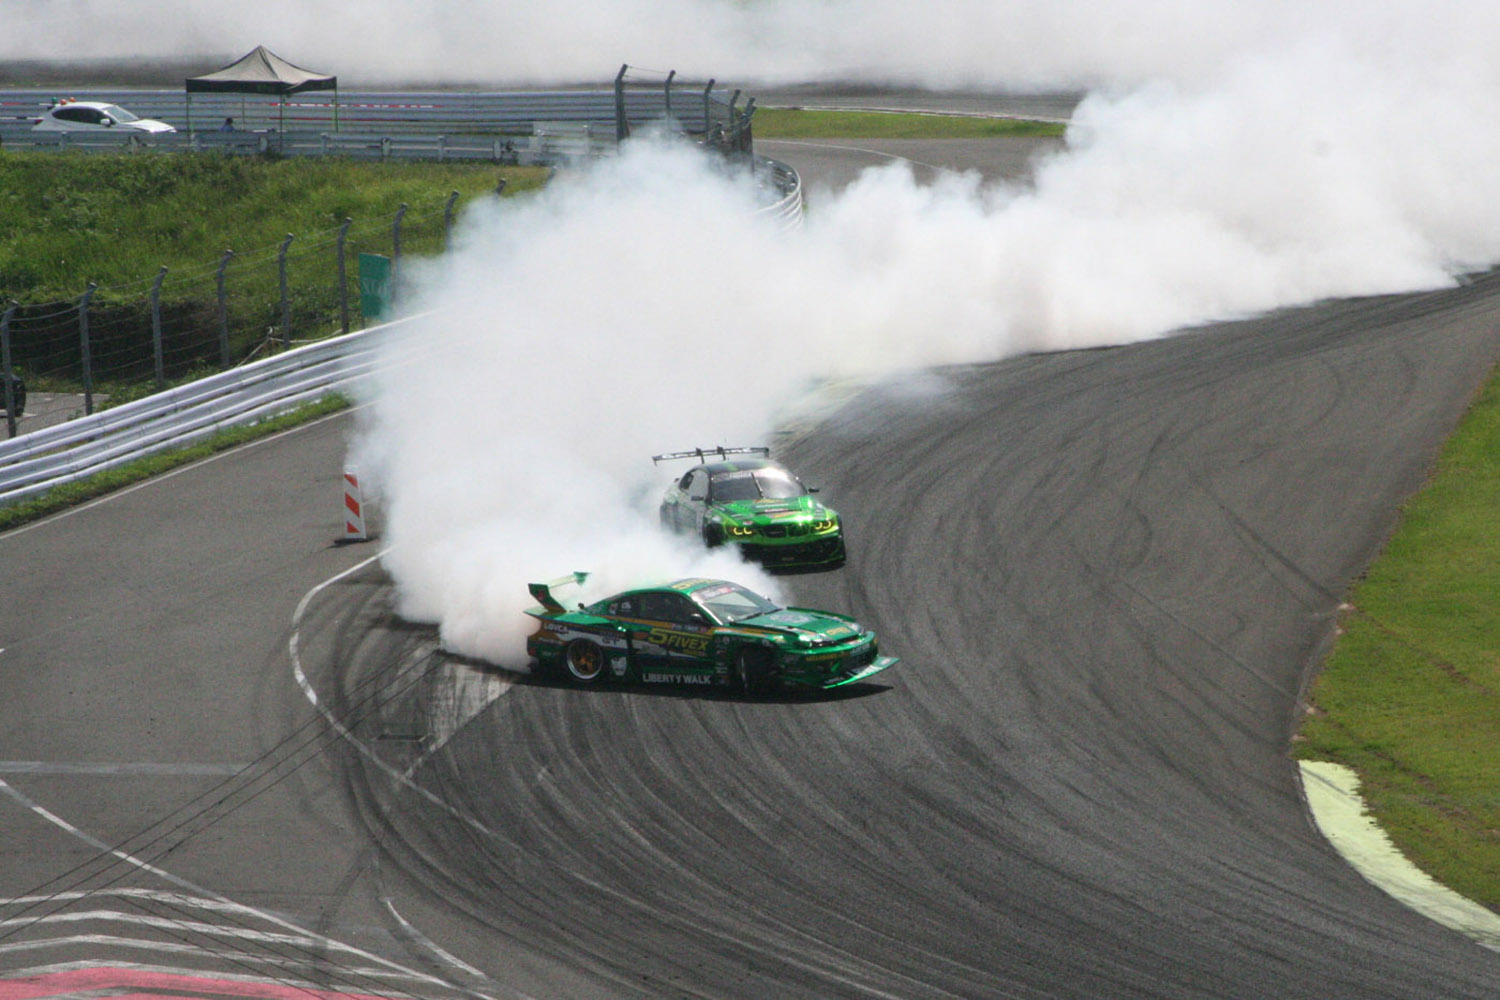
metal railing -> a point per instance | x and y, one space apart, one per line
527 127
36 462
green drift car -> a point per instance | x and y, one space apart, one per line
756 504
699 631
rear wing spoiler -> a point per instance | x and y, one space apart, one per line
701 453
542 592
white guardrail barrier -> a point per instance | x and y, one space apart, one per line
32 463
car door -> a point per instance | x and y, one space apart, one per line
693 489
674 643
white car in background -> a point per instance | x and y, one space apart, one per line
94 116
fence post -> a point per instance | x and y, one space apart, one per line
286 301
343 279
396 250
500 187
448 218
622 125
156 348
707 121
5 369
86 357
224 311
668 89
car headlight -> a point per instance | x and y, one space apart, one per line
739 530
827 524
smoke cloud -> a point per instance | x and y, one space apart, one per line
1232 156
644 306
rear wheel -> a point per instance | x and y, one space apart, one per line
754 669
584 660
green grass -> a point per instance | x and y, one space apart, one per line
71 494
1409 696
67 219
797 123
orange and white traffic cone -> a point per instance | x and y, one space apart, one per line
354 508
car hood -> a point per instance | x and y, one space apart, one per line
764 512
147 125
809 627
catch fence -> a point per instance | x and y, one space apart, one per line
540 127
221 313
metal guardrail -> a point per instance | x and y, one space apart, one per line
475 119
39 460
547 145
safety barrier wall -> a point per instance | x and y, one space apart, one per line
468 121
39 460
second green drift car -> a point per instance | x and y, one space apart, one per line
755 504
700 631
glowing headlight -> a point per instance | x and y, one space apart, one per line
826 525
739 530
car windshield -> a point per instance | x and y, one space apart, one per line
729 603
762 484
119 114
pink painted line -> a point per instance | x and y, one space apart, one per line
156 985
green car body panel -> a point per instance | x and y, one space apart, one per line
759 506
700 632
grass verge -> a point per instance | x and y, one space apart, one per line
1409 695
71 494
70 218
799 123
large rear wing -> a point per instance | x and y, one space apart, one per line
701 453
542 592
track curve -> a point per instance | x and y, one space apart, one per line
1108 573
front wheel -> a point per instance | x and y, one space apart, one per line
585 661
754 669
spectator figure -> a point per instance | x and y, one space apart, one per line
228 125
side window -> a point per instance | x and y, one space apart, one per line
697 487
72 114
623 609
672 608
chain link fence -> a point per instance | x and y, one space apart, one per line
245 304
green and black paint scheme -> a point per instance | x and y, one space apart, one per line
699 632
756 504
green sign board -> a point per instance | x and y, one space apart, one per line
374 286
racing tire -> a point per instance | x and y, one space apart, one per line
713 535
754 670
584 661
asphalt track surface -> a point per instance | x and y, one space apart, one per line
1107 574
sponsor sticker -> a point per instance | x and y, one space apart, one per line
652 678
685 642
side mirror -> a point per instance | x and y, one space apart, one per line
695 498
814 489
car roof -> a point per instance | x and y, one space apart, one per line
100 105
687 585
